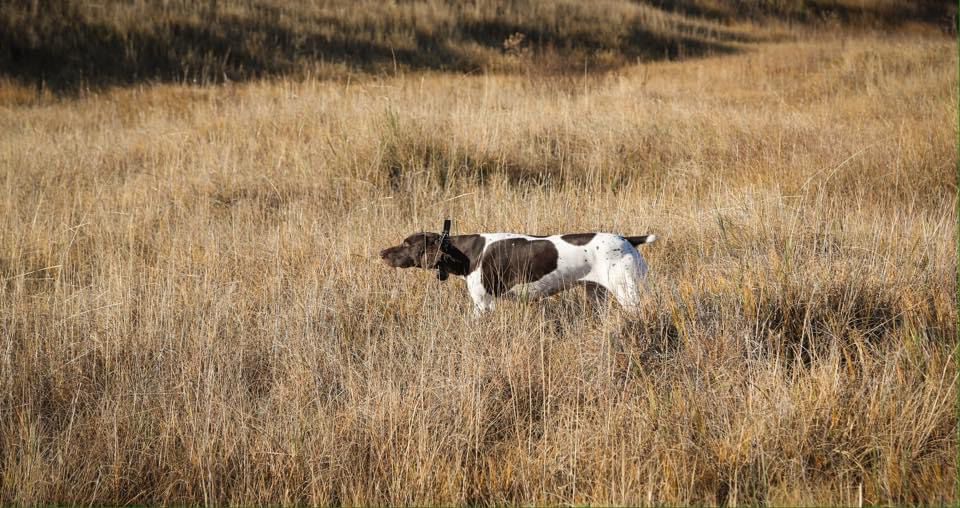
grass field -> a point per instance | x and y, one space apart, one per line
192 309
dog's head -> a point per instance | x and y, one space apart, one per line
419 250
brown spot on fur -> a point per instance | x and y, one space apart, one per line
507 263
637 240
578 238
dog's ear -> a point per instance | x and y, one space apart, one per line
444 259
453 261
433 244
425 248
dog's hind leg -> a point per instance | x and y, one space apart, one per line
627 283
628 296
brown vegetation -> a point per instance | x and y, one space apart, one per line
76 45
192 309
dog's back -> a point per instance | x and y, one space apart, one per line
537 266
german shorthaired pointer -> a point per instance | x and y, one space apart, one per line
524 266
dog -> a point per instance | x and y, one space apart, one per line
530 267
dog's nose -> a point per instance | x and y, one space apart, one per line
385 256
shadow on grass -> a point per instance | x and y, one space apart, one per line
937 14
60 48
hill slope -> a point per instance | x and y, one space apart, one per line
71 44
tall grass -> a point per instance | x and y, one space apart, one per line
192 309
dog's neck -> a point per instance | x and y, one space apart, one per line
464 254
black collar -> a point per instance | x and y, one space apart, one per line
444 249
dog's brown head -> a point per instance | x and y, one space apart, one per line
419 250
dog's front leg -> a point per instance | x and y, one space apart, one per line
482 301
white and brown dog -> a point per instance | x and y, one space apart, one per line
525 266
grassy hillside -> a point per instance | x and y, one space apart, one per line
73 45
192 308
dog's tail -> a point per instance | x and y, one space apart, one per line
640 240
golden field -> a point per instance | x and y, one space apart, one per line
192 308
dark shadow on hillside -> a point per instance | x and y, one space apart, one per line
941 14
639 42
647 45
91 55
62 51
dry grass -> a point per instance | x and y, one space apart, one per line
192 309
73 45
69 46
